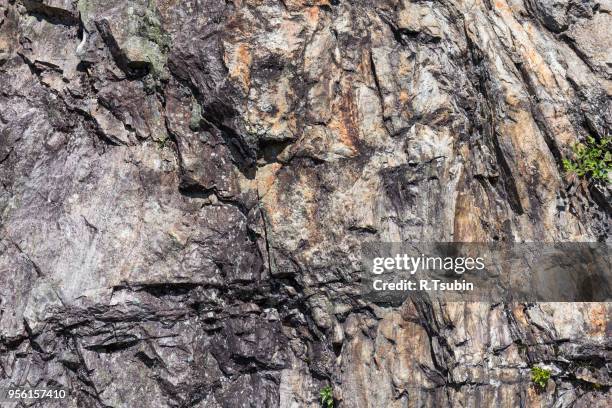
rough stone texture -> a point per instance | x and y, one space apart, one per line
185 186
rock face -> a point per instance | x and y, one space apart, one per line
185 186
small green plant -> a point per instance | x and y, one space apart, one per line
327 397
591 159
161 143
540 376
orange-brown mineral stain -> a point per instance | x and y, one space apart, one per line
240 63
344 122
599 320
312 15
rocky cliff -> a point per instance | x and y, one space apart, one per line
185 187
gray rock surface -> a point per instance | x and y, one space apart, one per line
185 186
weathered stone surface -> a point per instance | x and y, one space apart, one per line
185 187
